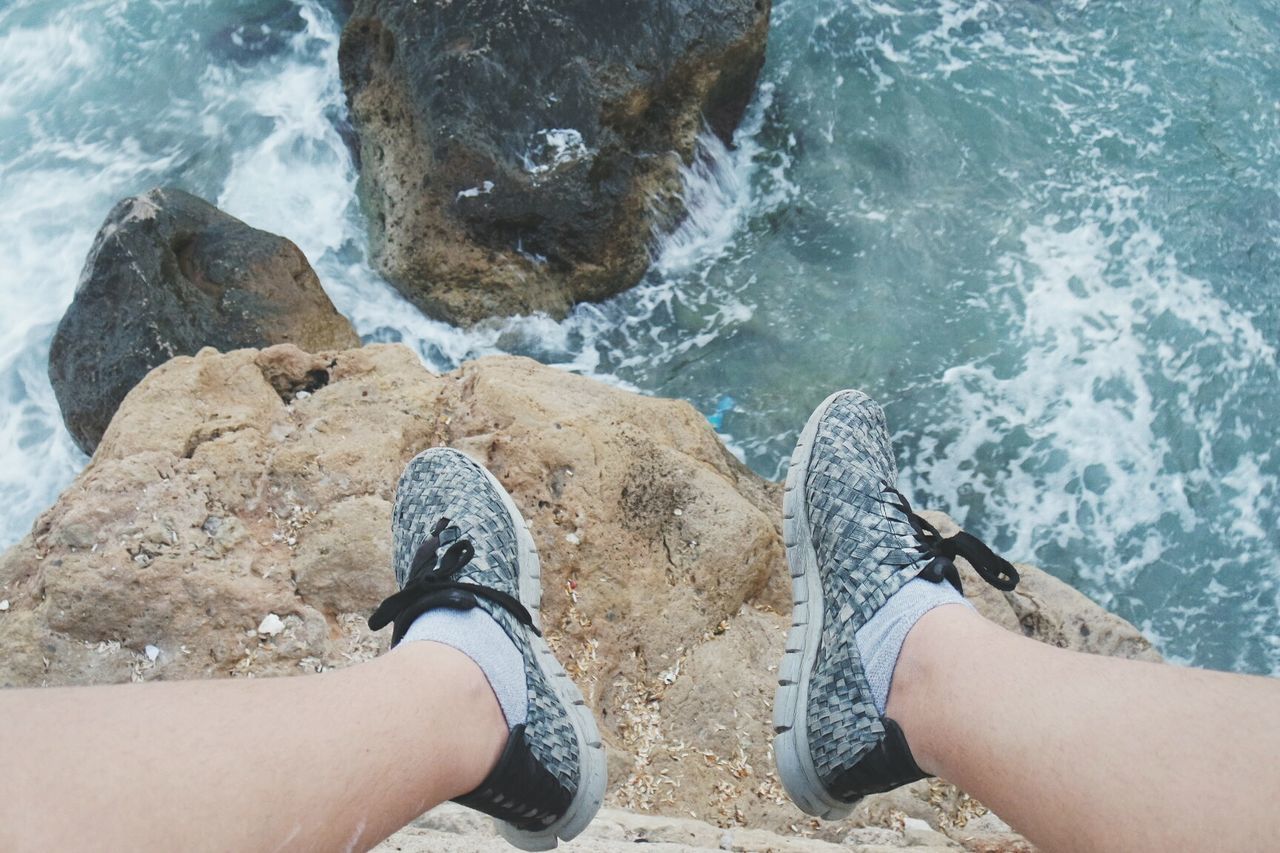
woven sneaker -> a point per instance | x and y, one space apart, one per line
460 543
852 541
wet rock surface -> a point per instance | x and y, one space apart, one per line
236 519
167 275
518 157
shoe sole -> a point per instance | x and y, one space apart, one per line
591 782
790 718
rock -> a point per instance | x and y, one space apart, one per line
220 493
168 274
518 157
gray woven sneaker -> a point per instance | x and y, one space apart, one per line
459 543
852 542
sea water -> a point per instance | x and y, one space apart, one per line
1045 235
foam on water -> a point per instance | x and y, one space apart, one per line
1090 399
38 62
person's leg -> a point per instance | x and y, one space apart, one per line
330 762
889 676
1081 752
470 705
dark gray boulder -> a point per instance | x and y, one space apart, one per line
518 156
167 275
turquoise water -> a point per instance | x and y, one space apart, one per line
1045 235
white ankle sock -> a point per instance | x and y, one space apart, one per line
880 640
474 633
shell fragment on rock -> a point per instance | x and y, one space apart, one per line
271 625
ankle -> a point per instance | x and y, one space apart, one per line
880 639
476 634
932 649
479 724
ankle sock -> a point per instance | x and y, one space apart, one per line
474 633
880 640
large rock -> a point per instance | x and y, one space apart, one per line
230 487
518 157
167 275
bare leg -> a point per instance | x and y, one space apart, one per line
1081 752
328 762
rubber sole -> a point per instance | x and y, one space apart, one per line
591 782
790 703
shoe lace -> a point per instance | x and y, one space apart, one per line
990 566
432 572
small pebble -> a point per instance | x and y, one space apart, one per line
271 625
572 538
4 605
152 652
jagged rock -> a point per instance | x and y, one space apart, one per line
168 274
517 157
233 486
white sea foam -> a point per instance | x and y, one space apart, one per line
38 61
721 193
1087 295
718 201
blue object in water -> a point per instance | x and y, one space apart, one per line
723 406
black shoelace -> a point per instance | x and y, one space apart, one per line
432 573
993 568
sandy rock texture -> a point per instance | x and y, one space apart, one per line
168 274
453 829
518 157
236 520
